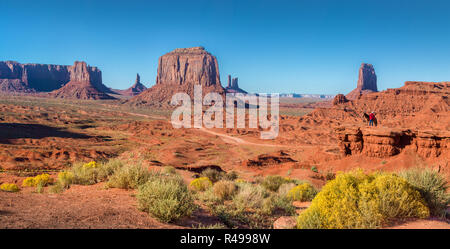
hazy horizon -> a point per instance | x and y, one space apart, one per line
285 46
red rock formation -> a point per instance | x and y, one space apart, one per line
85 83
233 86
29 78
179 71
415 116
339 99
382 142
367 82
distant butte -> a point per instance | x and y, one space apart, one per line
85 83
367 82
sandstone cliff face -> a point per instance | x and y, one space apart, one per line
85 83
179 71
188 66
381 142
16 77
367 82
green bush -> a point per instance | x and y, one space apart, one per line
432 186
272 183
224 190
166 199
64 179
358 200
302 192
129 177
169 170
85 173
230 176
249 196
212 174
284 189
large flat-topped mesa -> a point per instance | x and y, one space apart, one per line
178 71
188 66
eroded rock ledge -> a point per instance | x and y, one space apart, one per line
385 142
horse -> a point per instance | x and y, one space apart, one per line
366 117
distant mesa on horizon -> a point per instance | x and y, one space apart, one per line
79 81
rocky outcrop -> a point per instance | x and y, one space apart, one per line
285 222
367 82
134 90
85 83
179 71
233 86
339 99
385 142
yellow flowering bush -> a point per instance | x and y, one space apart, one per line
358 200
201 184
42 180
240 180
90 165
302 192
9 187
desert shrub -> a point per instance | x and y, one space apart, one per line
314 169
249 196
251 207
212 174
272 183
302 192
129 177
93 172
39 180
64 179
85 174
9 187
106 169
358 200
57 188
284 189
224 190
230 176
170 170
166 199
277 203
201 184
432 186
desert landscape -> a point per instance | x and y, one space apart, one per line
76 153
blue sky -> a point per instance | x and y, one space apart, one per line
272 46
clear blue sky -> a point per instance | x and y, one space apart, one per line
272 46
